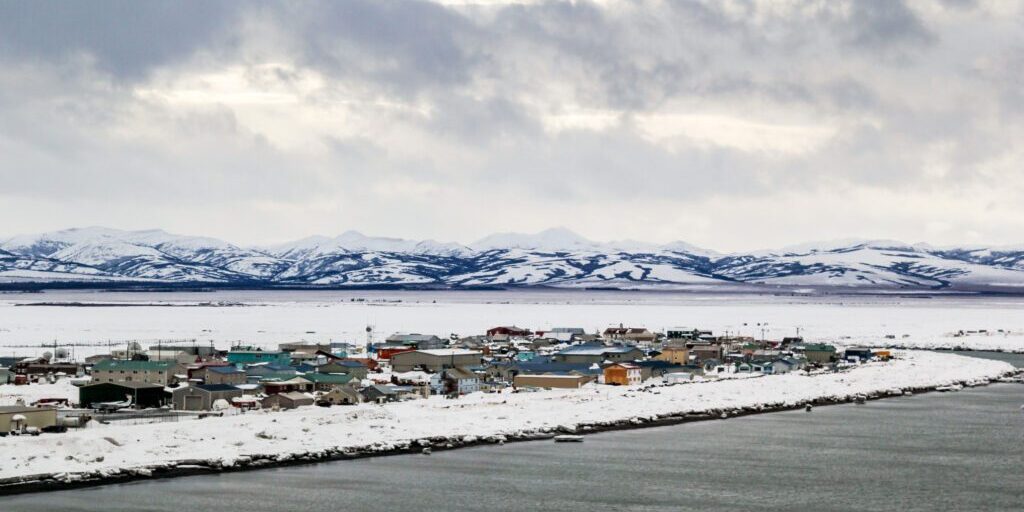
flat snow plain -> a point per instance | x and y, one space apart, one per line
312 429
266 318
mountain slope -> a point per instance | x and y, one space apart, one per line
556 257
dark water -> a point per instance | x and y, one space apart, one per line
955 451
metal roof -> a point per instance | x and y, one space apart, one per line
216 387
118 364
595 350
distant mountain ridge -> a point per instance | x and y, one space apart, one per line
555 258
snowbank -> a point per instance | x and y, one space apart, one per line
9 393
319 433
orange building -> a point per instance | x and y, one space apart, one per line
622 374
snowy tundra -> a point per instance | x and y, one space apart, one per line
267 318
282 435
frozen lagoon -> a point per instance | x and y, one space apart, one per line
266 318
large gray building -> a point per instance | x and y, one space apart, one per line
414 340
435 360
597 353
202 397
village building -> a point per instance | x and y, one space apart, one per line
45 368
18 418
677 354
622 374
292 385
819 353
652 369
259 356
203 396
150 372
597 353
686 333
629 334
379 393
678 378
289 400
701 352
413 341
461 381
356 369
342 395
174 356
230 375
195 350
263 371
434 360
554 381
142 395
858 354
301 346
326 381
507 371
510 331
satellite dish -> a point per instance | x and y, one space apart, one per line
369 328
62 353
48 355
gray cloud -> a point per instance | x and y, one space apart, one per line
126 38
393 117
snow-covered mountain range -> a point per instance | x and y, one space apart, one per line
556 258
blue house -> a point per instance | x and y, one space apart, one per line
259 356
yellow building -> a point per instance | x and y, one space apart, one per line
675 355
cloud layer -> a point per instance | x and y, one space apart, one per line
732 125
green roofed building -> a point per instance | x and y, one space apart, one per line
150 372
820 353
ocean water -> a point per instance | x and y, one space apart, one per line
932 452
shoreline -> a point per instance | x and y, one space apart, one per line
955 349
49 482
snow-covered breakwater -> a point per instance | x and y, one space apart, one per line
117 453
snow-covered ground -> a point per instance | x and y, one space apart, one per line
10 394
311 429
266 318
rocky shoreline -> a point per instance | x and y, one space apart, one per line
191 467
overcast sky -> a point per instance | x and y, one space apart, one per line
728 124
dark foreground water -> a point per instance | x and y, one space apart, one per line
933 452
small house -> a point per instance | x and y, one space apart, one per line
288 400
461 381
379 394
342 395
622 374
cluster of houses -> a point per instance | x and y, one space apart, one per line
411 366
